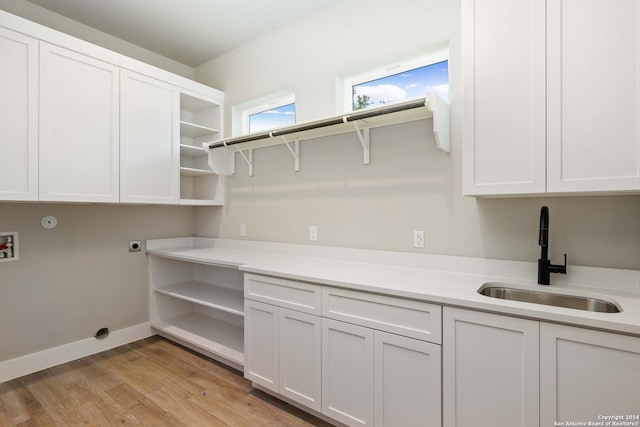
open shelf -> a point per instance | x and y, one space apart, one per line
192 130
199 305
192 151
221 152
431 107
200 122
194 172
224 299
215 336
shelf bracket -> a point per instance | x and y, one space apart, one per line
363 136
295 152
248 160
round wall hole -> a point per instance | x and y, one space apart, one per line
102 333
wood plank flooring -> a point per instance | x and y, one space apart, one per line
152 382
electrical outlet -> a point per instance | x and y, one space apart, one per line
135 245
243 230
418 239
313 233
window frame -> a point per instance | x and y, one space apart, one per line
398 66
261 105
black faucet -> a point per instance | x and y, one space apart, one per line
545 268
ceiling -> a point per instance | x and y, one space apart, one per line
191 32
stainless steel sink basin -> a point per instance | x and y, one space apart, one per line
579 302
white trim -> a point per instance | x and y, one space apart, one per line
34 362
240 113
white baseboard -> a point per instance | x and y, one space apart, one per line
34 362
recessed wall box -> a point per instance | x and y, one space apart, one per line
8 246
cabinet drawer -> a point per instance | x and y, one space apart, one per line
283 293
410 318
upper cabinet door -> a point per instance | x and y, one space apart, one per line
18 116
593 95
149 141
504 97
79 127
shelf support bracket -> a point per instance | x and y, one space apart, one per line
248 160
295 152
363 136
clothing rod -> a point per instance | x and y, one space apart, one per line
358 115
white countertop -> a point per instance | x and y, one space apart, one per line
440 279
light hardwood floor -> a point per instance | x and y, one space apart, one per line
152 382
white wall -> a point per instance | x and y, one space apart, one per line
63 24
409 184
72 280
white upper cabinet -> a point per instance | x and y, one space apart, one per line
149 140
593 92
80 123
79 127
504 97
551 97
18 116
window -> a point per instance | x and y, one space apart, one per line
396 82
268 113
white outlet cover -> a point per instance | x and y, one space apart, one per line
49 222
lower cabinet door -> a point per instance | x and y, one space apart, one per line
407 381
585 375
261 344
299 361
347 373
490 370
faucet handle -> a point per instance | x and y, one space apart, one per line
559 268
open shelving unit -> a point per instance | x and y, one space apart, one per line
200 306
358 122
200 122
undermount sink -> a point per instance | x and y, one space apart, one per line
579 302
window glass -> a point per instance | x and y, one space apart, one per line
272 118
402 86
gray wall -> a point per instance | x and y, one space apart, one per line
74 279
409 184
79 277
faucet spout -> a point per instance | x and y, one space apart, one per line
545 268
543 239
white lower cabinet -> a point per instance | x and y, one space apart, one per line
282 345
356 361
407 381
379 379
347 373
299 356
283 352
505 371
490 370
587 374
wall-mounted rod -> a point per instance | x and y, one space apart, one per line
358 115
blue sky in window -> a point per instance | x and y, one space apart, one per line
273 118
410 84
